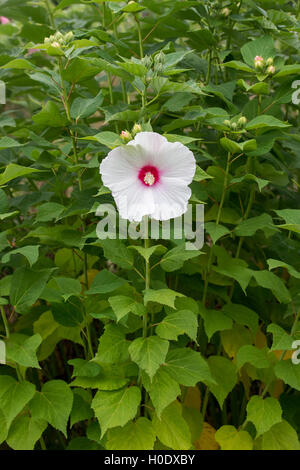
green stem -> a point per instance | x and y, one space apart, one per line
51 17
209 68
140 37
209 264
205 402
5 322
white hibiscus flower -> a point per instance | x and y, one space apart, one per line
149 176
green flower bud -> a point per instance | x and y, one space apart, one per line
271 70
136 129
225 12
270 61
242 121
226 123
126 136
69 36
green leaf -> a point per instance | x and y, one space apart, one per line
247 228
7 143
14 396
146 253
175 258
275 263
49 211
236 269
116 408
66 287
252 355
53 404
293 69
216 231
242 315
263 46
31 253
107 138
225 375
84 368
135 435
162 296
178 323
69 313
15 171
261 183
292 219
171 429
22 349
163 389
21 64
266 122
113 346
122 305
118 253
187 367
268 280
84 107
281 339
81 409
26 287
237 65
230 438
149 353
263 413
214 320
231 146
104 282
50 116
289 373
3 427
280 437
24 432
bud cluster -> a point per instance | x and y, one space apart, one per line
264 66
127 136
59 40
234 125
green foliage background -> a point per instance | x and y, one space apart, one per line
113 344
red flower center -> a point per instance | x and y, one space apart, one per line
149 175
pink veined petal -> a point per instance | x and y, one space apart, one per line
170 198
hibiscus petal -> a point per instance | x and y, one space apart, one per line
170 198
177 161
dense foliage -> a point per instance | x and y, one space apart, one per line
121 344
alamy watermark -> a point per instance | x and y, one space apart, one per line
188 227
2 352
2 92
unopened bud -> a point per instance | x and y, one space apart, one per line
259 62
147 61
136 129
55 44
234 126
226 123
69 36
126 136
270 61
225 11
271 70
242 121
